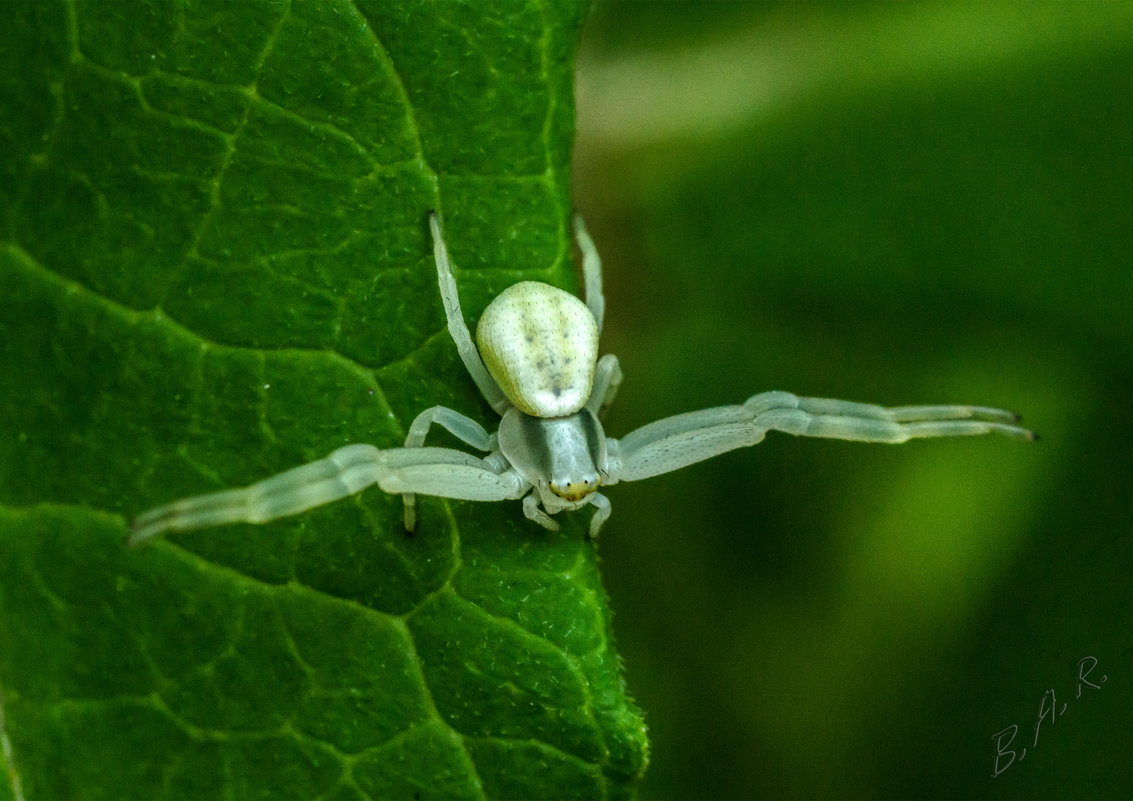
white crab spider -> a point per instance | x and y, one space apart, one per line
537 365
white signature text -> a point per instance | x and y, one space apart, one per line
1049 710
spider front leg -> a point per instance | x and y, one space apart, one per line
346 471
433 471
866 422
685 439
463 428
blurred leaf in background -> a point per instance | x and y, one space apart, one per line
215 265
896 203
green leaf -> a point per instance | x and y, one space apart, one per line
215 265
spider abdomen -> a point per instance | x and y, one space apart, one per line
540 344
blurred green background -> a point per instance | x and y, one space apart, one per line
896 203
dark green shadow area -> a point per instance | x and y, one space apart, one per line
900 203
